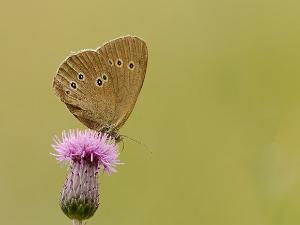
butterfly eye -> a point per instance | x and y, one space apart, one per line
111 63
131 65
73 85
119 63
80 76
104 77
99 82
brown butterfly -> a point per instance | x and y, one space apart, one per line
100 87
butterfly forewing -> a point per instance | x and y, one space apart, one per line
127 57
101 87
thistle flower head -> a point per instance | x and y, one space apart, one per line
86 152
88 145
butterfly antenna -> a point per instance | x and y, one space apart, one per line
136 141
123 145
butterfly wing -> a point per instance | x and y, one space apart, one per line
101 87
83 83
127 57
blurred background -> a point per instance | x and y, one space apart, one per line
219 111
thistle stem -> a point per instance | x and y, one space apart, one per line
77 222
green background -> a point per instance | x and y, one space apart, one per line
219 111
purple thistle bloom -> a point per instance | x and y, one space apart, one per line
88 145
87 152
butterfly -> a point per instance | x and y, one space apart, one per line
100 87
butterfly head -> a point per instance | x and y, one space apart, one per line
112 132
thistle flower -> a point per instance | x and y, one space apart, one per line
86 152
